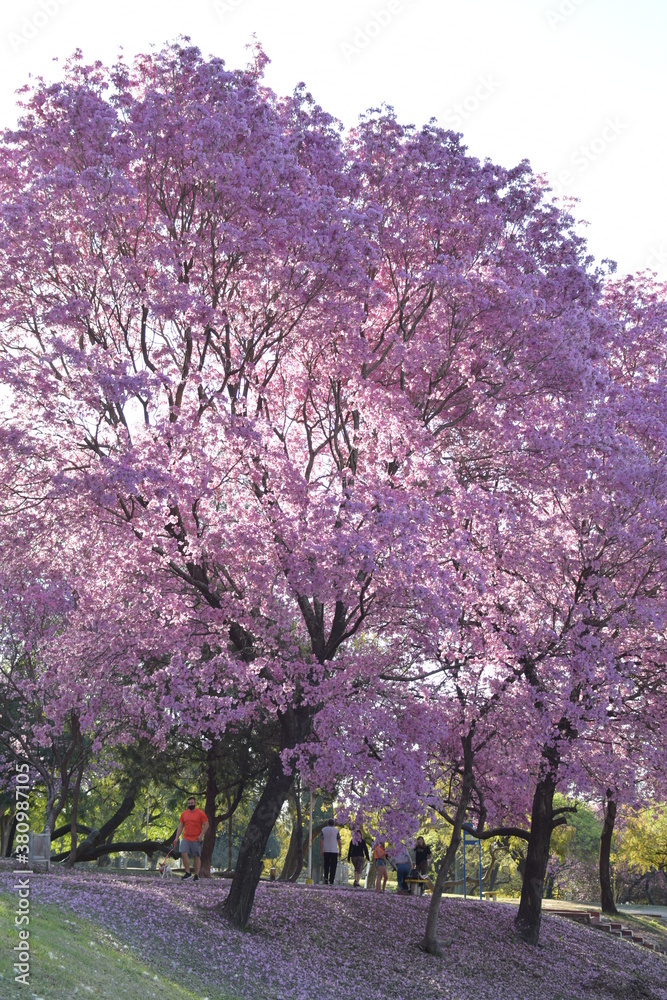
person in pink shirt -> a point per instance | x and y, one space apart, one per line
380 859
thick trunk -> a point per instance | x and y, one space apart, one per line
295 725
6 824
11 832
298 862
233 802
239 902
209 809
63 830
649 890
430 943
131 846
230 846
75 811
529 917
294 860
54 805
606 893
89 850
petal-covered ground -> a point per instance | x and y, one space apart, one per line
334 943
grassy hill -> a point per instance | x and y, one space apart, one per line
106 936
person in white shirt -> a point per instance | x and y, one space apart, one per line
330 846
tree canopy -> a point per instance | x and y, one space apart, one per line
335 440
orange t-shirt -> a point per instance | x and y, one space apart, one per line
193 821
379 853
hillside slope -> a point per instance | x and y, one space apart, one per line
333 943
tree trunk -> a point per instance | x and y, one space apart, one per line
430 943
649 889
239 902
298 862
10 838
493 872
295 725
529 917
130 846
549 887
63 830
607 902
97 838
230 857
75 811
6 824
294 859
209 809
54 804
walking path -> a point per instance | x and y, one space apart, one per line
649 911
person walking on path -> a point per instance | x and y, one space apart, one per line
423 860
380 858
401 859
331 847
357 853
193 824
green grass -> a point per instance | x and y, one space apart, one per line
75 957
653 928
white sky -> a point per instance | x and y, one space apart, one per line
575 86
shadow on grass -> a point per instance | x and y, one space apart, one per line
70 956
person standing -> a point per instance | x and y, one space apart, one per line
331 847
193 824
380 858
423 860
357 853
403 863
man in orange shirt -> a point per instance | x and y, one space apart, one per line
193 825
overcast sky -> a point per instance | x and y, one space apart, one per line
578 87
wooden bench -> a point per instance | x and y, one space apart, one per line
415 883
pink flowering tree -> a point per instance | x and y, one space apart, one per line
62 699
295 392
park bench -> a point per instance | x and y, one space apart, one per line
417 886
491 894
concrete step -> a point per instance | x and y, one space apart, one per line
612 927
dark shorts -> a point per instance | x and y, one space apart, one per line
358 862
191 847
